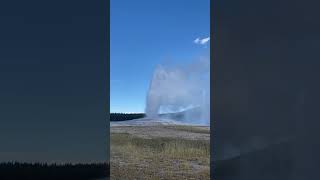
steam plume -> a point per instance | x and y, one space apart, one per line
181 88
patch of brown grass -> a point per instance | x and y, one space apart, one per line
192 129
158 158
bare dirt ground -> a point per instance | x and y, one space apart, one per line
159 151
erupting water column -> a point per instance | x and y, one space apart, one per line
181 88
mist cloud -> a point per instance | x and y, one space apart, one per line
181 87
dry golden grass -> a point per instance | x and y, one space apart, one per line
158 158
193 129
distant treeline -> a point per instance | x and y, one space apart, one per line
37 171
125 116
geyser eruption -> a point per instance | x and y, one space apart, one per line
181 91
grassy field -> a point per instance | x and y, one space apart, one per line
192 129
134 157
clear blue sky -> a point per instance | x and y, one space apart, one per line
145 33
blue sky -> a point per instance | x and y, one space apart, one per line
145 33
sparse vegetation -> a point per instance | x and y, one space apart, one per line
155 158
190 129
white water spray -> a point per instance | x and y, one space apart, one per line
183 89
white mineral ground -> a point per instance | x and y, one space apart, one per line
151 128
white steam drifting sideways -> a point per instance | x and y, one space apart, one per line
181 89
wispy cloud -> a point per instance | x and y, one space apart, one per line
202 41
